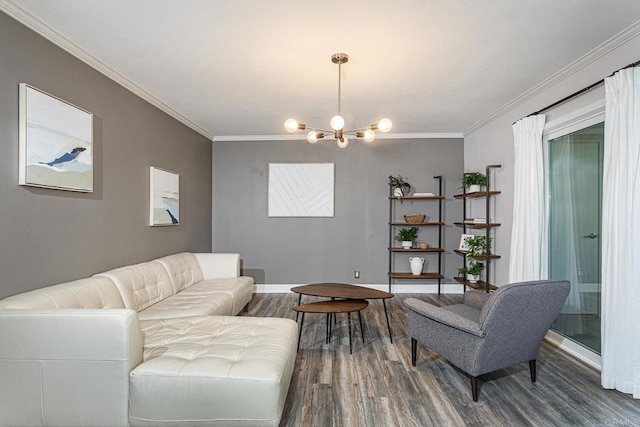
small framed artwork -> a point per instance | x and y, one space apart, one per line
164 197
464 246
301 190
56 142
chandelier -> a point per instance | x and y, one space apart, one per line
337 122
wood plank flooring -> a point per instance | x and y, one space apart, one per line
377 386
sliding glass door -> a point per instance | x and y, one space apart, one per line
575 211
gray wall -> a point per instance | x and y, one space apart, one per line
302 250
51 236
493 142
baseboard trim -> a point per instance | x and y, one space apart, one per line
445 288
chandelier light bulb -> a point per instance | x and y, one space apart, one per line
291 125
312 137
343 142
369 135
385 125
337 123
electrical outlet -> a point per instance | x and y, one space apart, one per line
356 274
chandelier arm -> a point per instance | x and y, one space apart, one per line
358 130
321 130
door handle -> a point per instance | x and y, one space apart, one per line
590 236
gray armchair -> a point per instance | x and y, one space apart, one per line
488 332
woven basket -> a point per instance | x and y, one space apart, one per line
414 218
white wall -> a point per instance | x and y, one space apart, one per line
492 143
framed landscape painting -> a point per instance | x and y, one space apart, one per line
164 197
56 142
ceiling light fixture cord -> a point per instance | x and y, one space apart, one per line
339 86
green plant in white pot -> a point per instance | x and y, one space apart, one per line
407 236
474 269
472 182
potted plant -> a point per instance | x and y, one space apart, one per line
473 271
478 245
407 236
399 186
472 182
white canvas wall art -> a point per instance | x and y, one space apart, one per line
301 189
56 142
164 197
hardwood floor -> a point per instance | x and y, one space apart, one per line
377 386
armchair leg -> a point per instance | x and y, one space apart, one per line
414 351
532 369
474 388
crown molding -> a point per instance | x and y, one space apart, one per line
302 137
598 52
33 23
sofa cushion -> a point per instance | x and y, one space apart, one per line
224 297
213 369
92 292
183 269
239 289
141 285
219 265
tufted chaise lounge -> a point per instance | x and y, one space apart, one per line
150 344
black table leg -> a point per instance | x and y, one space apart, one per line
326 329
330 325
299 299
361 329
386 314
334 314
350 345
300 333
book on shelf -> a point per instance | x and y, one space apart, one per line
423 194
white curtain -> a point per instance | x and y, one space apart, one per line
621 234
565 229
527 233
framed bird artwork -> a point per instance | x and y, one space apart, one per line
164 197
56 142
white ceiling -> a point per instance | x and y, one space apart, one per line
230 68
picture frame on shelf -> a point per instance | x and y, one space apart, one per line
464 246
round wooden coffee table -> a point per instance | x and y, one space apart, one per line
346 291
331 308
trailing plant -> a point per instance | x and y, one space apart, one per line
407 234
474 178
399 182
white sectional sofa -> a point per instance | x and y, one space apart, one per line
150 344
